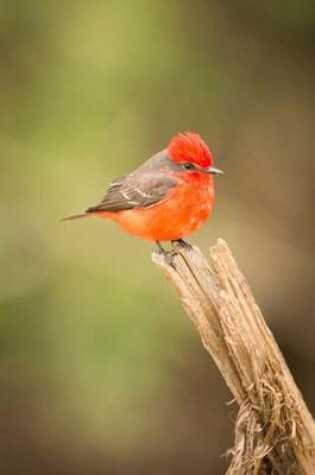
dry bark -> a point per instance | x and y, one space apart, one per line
274 430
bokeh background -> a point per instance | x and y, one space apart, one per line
101 372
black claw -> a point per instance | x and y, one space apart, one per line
168 256
182 243
160 248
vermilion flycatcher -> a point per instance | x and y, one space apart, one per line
168 197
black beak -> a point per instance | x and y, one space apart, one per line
214 171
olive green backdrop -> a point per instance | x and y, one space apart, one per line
100 370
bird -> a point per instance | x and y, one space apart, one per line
167 198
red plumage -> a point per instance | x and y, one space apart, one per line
190 145
168 197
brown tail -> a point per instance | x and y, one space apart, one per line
75 216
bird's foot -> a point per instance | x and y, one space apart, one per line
168 256
182 243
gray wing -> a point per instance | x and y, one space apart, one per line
135 191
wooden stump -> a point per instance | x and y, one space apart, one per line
274 431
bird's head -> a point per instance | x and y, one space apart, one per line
192 154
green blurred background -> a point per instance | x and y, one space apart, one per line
101 372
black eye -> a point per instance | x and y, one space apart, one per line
189 166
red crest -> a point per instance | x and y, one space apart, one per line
190 147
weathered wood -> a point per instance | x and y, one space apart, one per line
274 431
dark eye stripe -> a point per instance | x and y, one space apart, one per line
189 166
